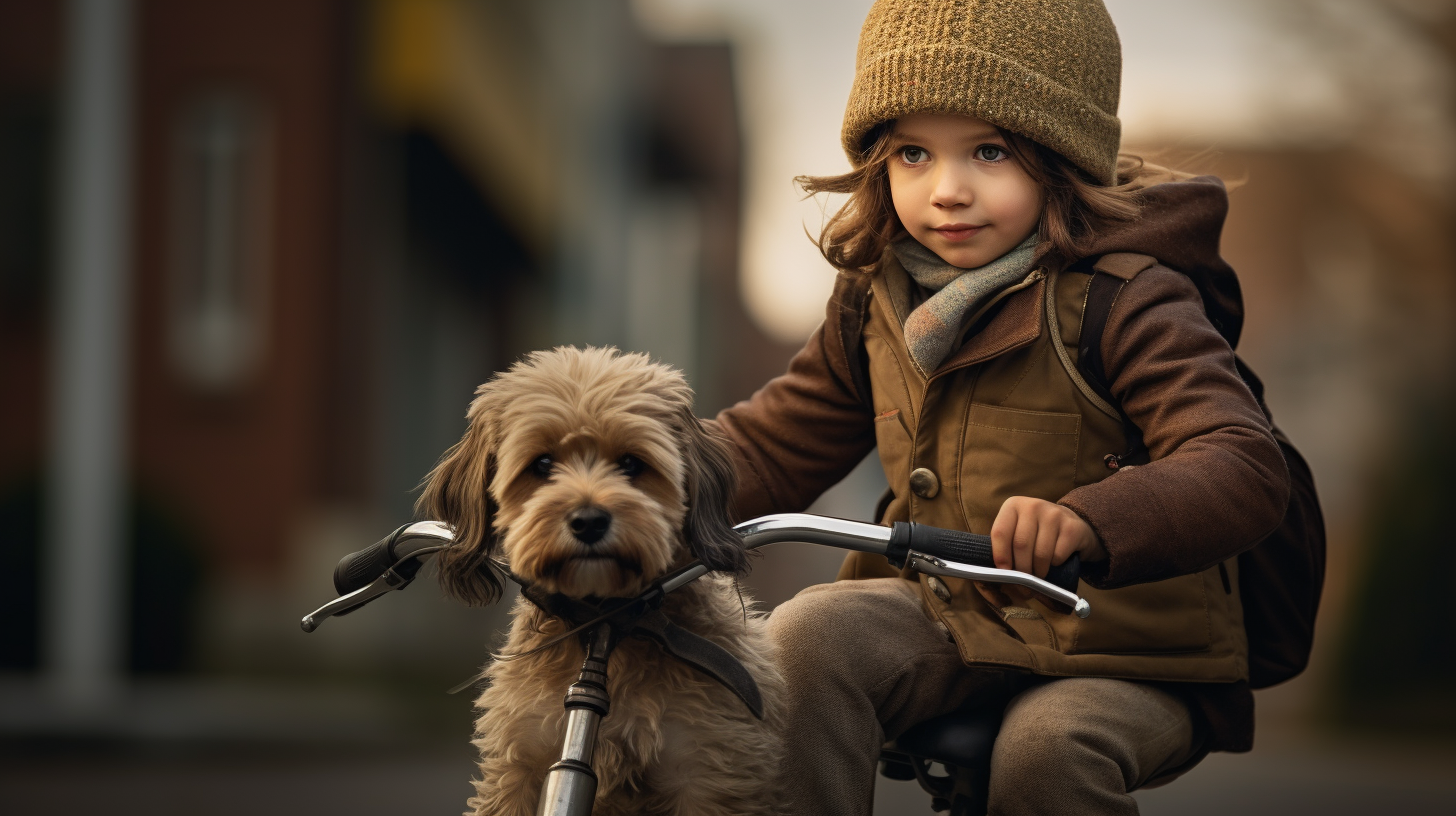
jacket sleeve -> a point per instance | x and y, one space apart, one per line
807 428
1217 482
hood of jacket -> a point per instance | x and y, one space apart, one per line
1180 225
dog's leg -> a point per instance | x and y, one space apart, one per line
518 737
507 787
720 776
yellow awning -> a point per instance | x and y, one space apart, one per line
449 67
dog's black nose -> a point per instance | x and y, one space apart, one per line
589 524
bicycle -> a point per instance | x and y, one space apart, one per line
961 741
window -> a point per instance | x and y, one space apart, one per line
219 266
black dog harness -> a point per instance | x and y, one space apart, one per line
642 617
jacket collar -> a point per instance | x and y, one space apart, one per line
1014 320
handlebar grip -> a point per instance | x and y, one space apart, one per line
358 569
1066 574
967 548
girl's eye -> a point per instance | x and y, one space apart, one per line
914 155
991 153
630 466
541 465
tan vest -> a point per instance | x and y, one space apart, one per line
1006 415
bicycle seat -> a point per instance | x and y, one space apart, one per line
962 739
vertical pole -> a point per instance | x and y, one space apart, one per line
571 784
85 516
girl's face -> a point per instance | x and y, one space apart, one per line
958 191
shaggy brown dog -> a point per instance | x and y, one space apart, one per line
587 473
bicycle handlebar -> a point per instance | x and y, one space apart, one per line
931 550
394 562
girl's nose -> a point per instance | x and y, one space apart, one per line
950 190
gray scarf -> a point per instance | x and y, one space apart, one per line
931 329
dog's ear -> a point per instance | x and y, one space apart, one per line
711 481
457 493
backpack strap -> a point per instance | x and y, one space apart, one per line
1102 293
1099 399
1110 274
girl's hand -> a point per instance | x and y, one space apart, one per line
1032 535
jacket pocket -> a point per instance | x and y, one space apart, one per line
1160 617
1009 452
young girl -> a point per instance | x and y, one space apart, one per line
986 198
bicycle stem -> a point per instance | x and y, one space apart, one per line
571 784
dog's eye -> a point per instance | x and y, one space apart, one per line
541 465
630 466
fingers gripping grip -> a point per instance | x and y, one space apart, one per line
967 548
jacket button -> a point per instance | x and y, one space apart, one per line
924 483
939 589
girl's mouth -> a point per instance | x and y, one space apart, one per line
958 232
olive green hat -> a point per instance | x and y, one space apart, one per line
1049 70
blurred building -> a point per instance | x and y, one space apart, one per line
342 217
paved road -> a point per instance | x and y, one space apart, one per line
1331 778
248 785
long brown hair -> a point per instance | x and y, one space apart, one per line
1077 207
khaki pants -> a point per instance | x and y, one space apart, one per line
864 662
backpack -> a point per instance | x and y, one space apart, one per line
1281 577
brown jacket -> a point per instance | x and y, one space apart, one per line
1216 483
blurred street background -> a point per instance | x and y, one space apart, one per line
255 255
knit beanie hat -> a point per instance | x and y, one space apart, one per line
1049 70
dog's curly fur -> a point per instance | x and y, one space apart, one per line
675 742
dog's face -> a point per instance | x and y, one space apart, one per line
589 472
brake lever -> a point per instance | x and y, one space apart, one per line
390 581
930 565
